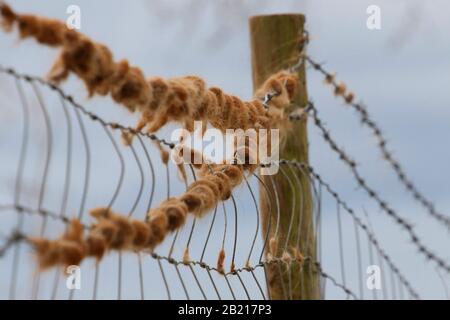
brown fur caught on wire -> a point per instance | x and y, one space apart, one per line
159 101
113 231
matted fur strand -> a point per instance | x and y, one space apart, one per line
158 100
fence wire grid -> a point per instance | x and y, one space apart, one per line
64 159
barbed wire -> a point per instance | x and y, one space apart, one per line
91 115
356 219
368 121
16 237
340 90
373 194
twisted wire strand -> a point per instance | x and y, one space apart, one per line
424 250
18 237
91 115
367 120
340 90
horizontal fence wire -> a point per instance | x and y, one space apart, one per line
408 227
369 122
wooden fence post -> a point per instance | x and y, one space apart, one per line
275 42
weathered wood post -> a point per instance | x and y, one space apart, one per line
275 45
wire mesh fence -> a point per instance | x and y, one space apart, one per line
75 166
64 159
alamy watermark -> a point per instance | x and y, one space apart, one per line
373 21
73 281
373 281
237 146
74 19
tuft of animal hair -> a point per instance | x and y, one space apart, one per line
127 138
349 97
273 247
330 78
158 101
111 231
220 261
286 257
163 152
182 172
68 250
232 267
340 89
186 257
298 255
